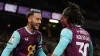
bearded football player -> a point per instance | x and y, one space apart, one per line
26 41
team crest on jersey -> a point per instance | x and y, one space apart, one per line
11 40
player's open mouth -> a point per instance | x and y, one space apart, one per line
37 25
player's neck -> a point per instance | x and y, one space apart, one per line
29 28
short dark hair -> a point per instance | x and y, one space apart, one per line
73 15
31 12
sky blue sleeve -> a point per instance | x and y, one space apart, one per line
40 43
91 49
40 51
12 43
65 39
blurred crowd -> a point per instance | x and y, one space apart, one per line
48 44
4 37
96 47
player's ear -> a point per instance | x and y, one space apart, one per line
29 19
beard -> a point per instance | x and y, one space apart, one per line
35 26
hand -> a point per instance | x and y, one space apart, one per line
53 55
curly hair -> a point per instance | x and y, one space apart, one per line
72 12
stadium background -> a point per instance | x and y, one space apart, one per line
13 17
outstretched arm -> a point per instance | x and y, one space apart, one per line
12 43
66 38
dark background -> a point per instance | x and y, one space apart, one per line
90 9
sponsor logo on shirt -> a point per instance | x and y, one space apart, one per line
31 50
26 39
